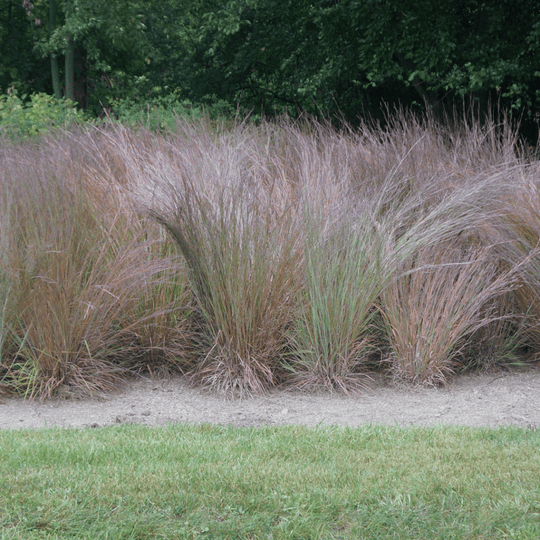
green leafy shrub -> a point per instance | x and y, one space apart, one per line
36 115
163 113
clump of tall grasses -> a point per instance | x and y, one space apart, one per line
334 335
517 236
441 297
250 256
236 229
76 266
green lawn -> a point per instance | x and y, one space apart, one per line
268 483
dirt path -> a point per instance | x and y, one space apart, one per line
473 400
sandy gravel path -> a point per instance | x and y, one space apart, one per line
495 399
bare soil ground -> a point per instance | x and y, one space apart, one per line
493 399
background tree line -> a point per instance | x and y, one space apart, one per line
324 57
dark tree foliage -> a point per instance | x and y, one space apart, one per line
100 45
20 68
349 55
324 57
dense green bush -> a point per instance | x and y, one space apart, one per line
163 112
36 114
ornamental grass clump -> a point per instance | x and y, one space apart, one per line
453 288
241 272
436 305
334 334
79 266
240 244
518 239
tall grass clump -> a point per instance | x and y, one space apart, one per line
442 297
240 266
79 266
518 239
237 234
451 288
334 333
331 336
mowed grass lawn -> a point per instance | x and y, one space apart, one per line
270 483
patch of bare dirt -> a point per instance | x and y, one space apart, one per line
495 399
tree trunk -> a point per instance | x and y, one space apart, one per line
55 72
81 82
70 68
55 67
